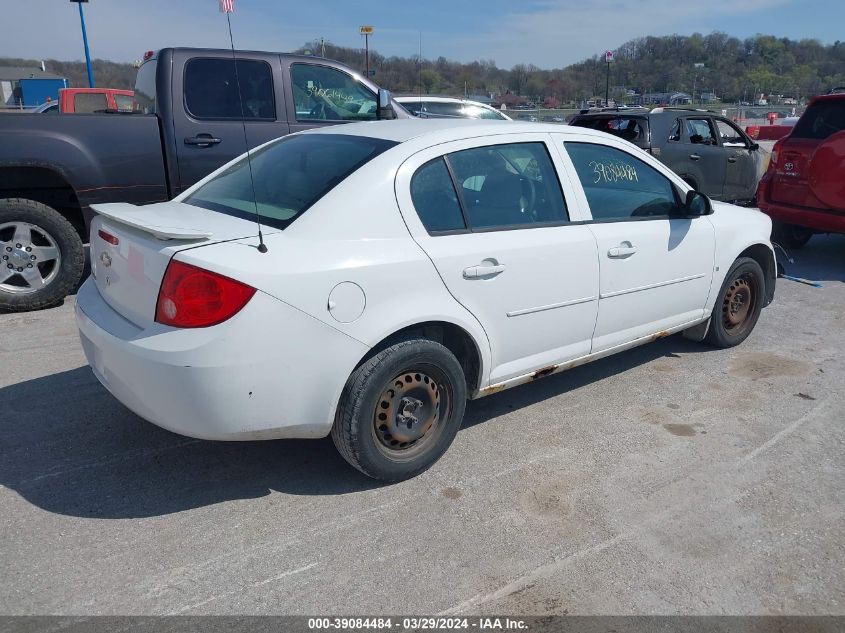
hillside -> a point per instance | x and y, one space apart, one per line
733 69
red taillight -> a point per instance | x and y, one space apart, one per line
108 237
193 297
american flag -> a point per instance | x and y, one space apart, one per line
227 6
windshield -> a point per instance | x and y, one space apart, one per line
821 120
290 175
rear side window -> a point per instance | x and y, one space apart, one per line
211 89
620 186
124 103
508 186
628 128
822 119
290 175
90 102
145 87
435 198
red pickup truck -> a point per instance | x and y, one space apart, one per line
804 188
76 100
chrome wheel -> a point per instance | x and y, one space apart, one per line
411 412
29 258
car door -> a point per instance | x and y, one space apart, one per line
322 95
213 121
693 153
655 269
495 222
741 168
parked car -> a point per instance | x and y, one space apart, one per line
708 151
89 100
188 123
405 267
449 108
804 189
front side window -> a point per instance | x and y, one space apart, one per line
211 90
290 175
506 186
731 136
325 93
435 198
620 186
700 132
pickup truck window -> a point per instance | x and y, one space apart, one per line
124 103
325 93
89 102
211 90
290 175
145 87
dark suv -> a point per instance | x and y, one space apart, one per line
708 151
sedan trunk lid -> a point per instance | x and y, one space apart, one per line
131 246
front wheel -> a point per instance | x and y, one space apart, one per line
738 305
400 410
41 256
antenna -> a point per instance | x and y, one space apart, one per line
262 247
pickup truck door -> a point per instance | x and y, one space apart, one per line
321 94
211 122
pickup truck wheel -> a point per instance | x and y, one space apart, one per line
791 235
400 410
738 305
41 256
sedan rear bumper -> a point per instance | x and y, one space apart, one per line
250 378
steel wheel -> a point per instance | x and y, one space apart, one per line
30 259
409 413
739 303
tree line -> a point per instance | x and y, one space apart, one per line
731 68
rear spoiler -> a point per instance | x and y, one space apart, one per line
150 220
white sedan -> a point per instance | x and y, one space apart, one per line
406 266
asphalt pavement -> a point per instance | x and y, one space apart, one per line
670 479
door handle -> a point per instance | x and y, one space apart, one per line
731 159
482 271
202 140
622 251
695 156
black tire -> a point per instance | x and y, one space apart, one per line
62 278
791 235
432 384
739 304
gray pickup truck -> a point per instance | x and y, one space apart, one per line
189 120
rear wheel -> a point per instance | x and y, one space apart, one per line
400 410
739 304
41 256
790 235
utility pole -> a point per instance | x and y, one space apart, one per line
608 58
322 47
85 42
366 31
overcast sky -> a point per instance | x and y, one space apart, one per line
548 33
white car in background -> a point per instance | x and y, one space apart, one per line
409 265
449 108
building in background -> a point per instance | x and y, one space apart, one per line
28 87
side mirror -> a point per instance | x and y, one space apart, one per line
754 146
385 107
696 204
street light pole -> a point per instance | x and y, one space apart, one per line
85 42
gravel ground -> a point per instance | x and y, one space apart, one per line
669 479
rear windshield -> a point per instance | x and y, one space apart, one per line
822 119
629 128
290 175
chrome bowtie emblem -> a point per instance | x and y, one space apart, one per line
105 260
